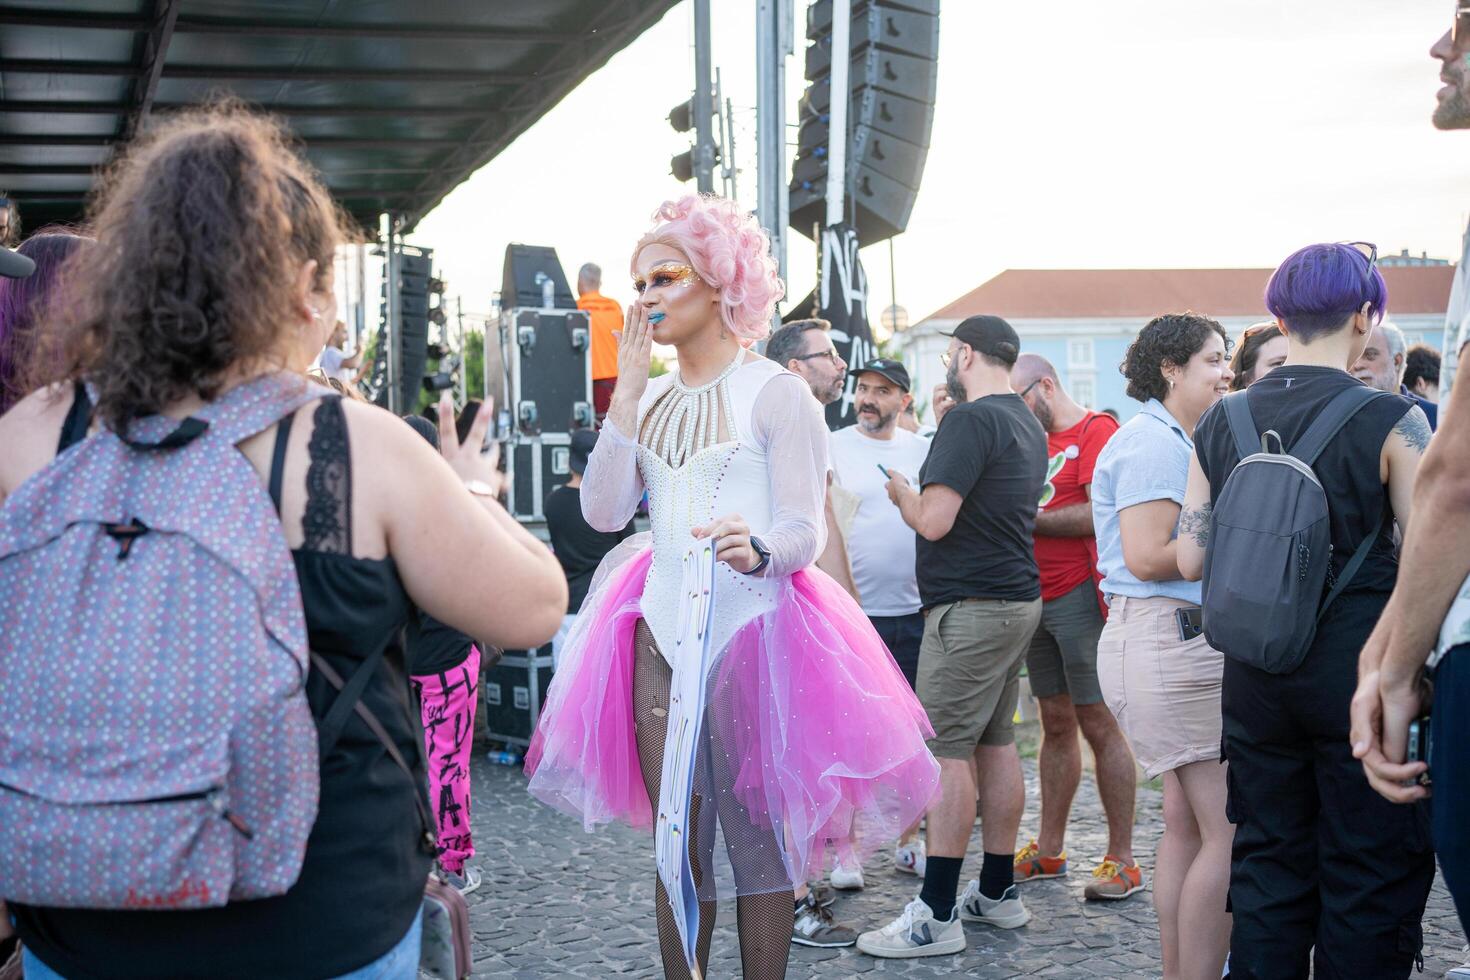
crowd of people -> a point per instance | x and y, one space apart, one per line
274 600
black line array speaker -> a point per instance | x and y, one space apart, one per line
415 269
893 67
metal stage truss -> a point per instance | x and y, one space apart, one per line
396 103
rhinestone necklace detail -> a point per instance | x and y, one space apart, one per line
687 420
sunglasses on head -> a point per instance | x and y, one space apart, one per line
1369 252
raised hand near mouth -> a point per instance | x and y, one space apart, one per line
635 355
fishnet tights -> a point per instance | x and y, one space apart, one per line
763 920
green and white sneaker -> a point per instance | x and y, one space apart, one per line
915 933
1007 912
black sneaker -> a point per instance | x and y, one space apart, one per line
814 927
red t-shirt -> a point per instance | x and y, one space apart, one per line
1066 563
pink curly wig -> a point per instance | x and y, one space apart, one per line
730 251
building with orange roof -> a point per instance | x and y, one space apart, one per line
1083 320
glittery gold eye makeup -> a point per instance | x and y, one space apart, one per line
671 274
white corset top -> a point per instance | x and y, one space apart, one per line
751 443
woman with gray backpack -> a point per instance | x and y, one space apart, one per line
209 762
1294 488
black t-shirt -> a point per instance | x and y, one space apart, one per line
992 452
433 647
1287 400
578 546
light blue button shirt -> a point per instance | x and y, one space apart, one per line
1147 459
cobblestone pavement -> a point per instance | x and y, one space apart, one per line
557 902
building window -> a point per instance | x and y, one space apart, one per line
1079 352
1082 390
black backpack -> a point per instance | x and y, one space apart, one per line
1270 549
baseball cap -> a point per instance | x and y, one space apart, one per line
989 335
583 442
13 265
892 370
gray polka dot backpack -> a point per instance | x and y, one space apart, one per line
154 728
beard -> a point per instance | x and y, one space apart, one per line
1043 414
880 423
953 384
1453 112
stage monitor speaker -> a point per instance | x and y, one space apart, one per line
519 286
892 59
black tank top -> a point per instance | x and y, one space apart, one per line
362 880
1287 400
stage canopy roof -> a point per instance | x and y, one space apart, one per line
396 101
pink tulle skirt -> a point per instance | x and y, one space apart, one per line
820 739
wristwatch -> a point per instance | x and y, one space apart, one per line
481 489
761 550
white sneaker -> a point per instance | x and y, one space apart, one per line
915 933
847 879
466 882
1006 912
909 858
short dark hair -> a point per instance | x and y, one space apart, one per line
1317 290
1248 351
1172 338
786 342
1421 362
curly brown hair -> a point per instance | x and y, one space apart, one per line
202 228
1172 338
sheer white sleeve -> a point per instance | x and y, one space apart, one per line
612 485
788 423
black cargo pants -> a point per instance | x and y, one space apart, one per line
1319 859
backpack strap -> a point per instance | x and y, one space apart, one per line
1329 422
1242 424
1354 563
349 696
78 419
278 458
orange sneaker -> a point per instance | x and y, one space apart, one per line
1113 880
1032 865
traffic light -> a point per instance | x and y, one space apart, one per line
682 119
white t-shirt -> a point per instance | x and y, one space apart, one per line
330 361
880 544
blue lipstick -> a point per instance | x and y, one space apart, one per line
656 317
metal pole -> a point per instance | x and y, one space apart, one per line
772 47
359 320
704 140
391 271
464 364
837 131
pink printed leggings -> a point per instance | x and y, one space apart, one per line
448 704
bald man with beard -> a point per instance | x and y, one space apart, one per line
1062 660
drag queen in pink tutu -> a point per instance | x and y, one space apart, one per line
714 677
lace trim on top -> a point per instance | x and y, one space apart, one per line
326 524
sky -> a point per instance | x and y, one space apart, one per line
1067 134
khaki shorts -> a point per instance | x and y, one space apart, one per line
970 671
1164 691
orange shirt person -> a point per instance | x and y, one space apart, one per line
606 316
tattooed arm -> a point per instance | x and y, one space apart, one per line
1399 462
1194 523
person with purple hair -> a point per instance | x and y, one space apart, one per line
21 305
1319 859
